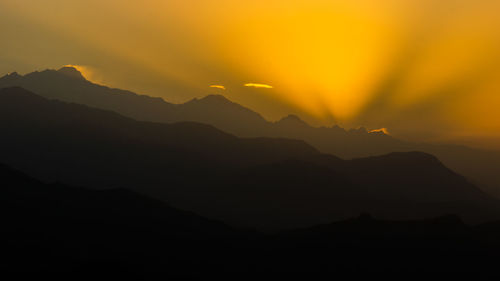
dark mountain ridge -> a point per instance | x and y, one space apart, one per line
71 72
59 228
481 167
259 182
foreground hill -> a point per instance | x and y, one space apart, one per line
261 182
60 228
67 84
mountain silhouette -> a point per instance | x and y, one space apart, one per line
71 72
291 121
29 197
55 227
61 228
268 183
479 166
67 85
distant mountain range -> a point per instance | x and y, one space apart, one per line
268 183
67 84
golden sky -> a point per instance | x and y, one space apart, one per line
423 69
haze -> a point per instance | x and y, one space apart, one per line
425 70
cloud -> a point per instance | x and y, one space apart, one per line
381 130
257 85
218 87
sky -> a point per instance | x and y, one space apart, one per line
425 70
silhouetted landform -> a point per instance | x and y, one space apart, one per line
55 227
60 228
66 84
261 182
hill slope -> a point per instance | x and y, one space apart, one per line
269 183
67 84
59 228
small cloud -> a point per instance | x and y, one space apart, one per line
381 130
218 87
257 85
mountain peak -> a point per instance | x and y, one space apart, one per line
72 72
360 130
14 74
215 98
11 76
292 119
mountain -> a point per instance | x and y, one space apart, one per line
60 228
292 122
72 73
66 84
365 244
29 199
258 182
219 112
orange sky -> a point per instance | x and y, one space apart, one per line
423 69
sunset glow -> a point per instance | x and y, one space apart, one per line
214 137
421 68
